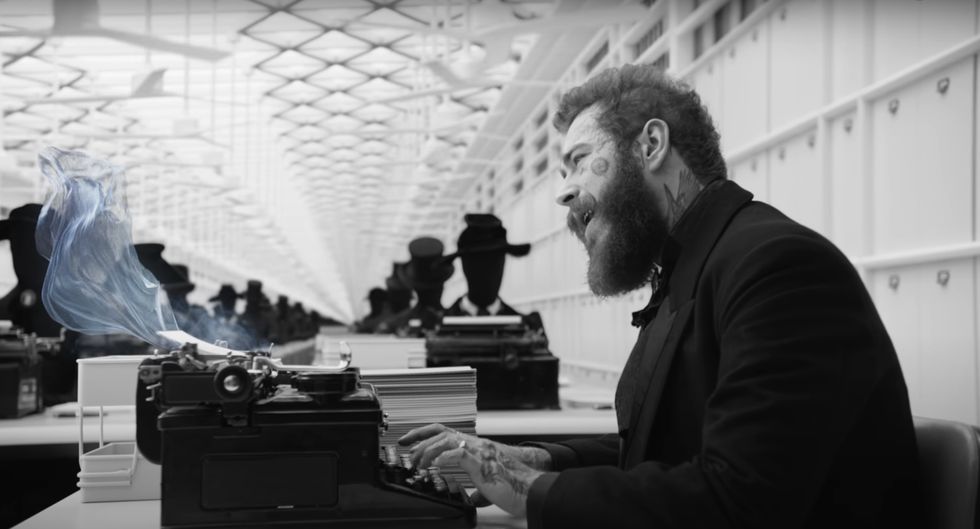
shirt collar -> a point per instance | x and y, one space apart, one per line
473 310
690 242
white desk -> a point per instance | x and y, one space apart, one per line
120 425
71 513
43 429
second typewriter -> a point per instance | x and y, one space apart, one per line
514 367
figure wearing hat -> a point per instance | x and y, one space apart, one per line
380 311
285 331
25 309
426 273
174 280
192 319
227 326
301 322
259 318
483 250
399 299
23 305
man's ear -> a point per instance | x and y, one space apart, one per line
654 142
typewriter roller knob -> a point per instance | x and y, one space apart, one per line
232 383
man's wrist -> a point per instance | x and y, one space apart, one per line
536 458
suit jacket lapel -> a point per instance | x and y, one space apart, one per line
661 346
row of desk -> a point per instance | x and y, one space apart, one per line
43 431
46 435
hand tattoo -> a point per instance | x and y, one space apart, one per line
497 466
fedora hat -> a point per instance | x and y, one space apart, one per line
227 292
427 268
485 233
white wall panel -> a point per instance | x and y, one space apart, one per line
847 190
753 175
896 294
896 182
707 81
923 152
847 45
746 90
909 31
945 154
797 67
948 371
896 36
932 326
795 185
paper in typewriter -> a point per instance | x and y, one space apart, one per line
418 397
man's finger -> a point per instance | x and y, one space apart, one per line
448 442
422 433
451 457
478 500
418 449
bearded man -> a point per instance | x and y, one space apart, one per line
763 390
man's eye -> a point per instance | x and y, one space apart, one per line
577 158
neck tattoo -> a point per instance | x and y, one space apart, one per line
688 187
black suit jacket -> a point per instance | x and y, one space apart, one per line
768 393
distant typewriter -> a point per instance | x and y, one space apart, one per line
22 370
20 374
514 368
245 441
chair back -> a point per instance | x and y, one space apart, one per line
949 469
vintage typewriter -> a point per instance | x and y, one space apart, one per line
245 441
21 387
514 368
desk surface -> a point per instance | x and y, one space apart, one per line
71 513
120 425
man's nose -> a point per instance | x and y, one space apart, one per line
567 194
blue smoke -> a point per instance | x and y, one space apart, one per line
95 283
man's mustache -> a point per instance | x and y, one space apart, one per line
577 211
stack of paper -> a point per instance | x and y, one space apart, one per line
373 352
413 398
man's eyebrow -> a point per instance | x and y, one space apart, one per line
566 158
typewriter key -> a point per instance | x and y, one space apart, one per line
392 455
406 462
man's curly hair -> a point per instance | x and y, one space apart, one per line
629 96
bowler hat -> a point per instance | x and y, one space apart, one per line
186 274
485 233
226 293
427 268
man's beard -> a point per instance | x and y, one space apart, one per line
621 260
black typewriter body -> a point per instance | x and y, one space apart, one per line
514 367
245 445
21 380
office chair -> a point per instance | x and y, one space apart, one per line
949 466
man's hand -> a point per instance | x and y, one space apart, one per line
502 474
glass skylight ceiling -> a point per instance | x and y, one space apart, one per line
284 158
